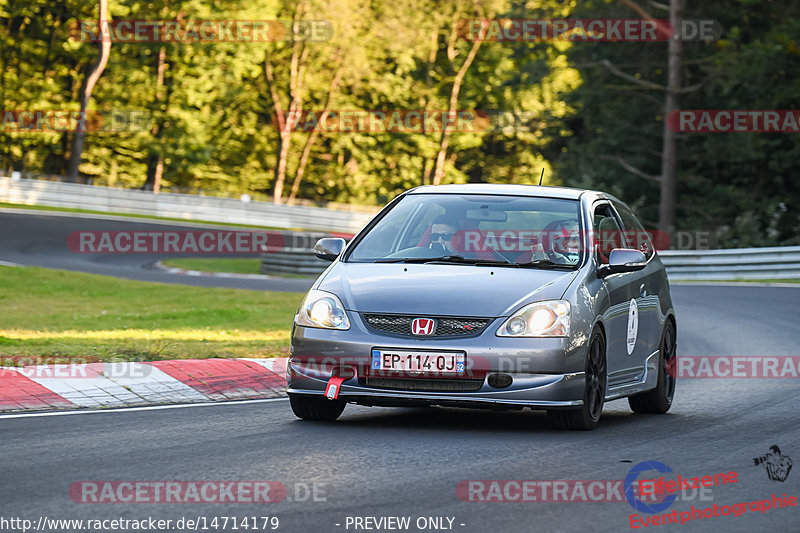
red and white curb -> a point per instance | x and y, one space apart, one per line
104 385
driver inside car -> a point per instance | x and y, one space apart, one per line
442 232
565 243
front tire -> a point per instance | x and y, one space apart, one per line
315 407
587 416
659 400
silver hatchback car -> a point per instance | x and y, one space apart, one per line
499 296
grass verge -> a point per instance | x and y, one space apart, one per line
63 316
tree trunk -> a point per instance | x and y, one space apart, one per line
86 92
157 174
155 161
286 121
280 167
312 138
426 172
669 153
155 170
444 140
295 107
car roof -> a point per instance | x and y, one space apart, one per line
567 193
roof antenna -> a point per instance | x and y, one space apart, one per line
542 176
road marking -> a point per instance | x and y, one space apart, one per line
159 265
148 408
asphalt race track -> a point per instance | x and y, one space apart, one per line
40 239
376 462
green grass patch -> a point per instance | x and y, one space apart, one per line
235 266
63 316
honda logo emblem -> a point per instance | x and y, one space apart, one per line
423 326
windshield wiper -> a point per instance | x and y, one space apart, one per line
402 260
463 260
547 264
457 259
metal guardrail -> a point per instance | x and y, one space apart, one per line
298 261
740 263
737 263
182 206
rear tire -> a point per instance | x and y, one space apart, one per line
659 400
315 407
587 416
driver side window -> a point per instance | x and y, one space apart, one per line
607 233
635 234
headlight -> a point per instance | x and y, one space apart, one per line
322 310
540 319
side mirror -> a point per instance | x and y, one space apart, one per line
623 260
329 249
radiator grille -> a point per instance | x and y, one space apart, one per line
445 326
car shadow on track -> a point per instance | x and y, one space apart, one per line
473 420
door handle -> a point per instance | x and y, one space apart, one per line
642 290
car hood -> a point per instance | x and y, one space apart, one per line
455 290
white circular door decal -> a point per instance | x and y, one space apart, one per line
633 325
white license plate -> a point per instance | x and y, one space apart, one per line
391 360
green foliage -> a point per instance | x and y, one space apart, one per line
212 118
740 186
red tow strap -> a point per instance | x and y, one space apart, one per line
332 390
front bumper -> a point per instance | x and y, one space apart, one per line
546 373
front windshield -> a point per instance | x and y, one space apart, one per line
476 229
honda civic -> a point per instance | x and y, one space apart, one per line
496 296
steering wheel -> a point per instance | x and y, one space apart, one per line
496 255
441 250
